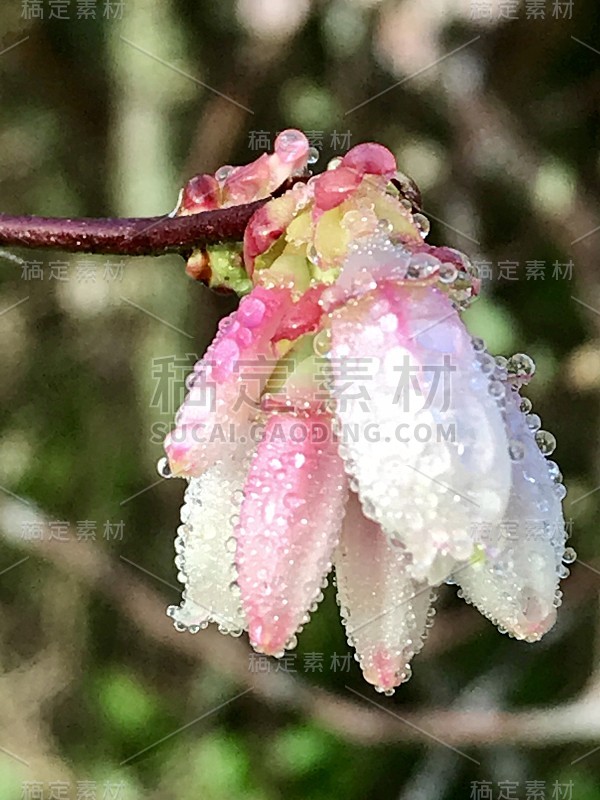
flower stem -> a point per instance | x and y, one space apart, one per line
138 236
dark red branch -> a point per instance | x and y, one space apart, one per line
141 236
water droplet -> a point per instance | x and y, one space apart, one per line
496 389
534 423
422 224
237 496
560 490
569 556
313 255
164 468
546 442
289 139
526 405
486 363
322 342
448 273
516 450
421 266
554 471
522 365
313 155
223 173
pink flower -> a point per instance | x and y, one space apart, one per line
344 417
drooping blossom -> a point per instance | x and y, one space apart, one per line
344 418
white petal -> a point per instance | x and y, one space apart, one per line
420 432
384 610
206 550
514 581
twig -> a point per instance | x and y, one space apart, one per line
137 236
134 236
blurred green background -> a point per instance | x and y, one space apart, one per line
106 109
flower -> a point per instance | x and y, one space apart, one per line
344 417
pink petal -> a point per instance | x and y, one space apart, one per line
303 317
226 385
384 610
263 176
334 186
247 183
270 222
232 186
370 158
289 525
201 193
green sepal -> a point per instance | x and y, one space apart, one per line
227 268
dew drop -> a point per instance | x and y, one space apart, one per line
448 273
534 423
516 450
289 139
322 342
496 389
164 468
554 471
223 173
486 363
521 364
546 442
422 224
526 405
560 490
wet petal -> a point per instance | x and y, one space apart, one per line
289 525
334 186
370 158
205 550
226 385
201 193
270 222
232 186
384 610
266 174
421 433
303 317
514 580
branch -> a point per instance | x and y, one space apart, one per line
137 236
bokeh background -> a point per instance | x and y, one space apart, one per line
106 109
